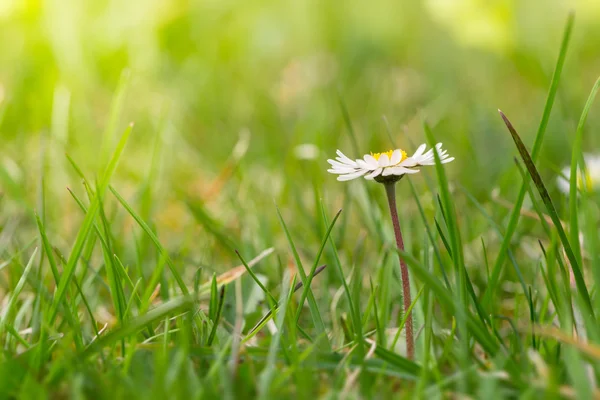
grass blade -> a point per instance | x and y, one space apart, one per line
537 145
576 156
312 303
154 239
315 264
173 306
217 316
86 227
12 301
537 179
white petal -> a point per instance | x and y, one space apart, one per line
369 159
447 160
354 175
341 170
420 150
345 161
374 174
396 157
343 157
403 170
412 171
384 160
339 164
364 165
388 171
408 162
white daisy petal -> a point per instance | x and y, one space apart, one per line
384 161
374 174
345 160
408 162
351 176
420 150
343 157
447 160
363 164
403 170
396 157
398 171
338 164
369 159
341 170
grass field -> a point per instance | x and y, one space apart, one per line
168 228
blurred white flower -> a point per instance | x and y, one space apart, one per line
387 166
588 181
306 151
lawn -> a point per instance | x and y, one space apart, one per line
169 227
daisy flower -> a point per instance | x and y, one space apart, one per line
388 166
590 180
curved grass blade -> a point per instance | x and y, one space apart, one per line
217 316
354 315
263 321
315 264
86 227
312 303
436 249
255 278
173 306
236 272
537 179
210 224
12 301
47 249
154 239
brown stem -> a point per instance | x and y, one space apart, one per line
390 189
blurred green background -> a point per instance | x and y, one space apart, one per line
202 78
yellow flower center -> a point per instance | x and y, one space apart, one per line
389 154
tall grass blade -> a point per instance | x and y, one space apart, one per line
312 303
577 158
537 179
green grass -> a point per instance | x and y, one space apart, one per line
205 252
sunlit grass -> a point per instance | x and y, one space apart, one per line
204 251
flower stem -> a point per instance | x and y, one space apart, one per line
390 189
